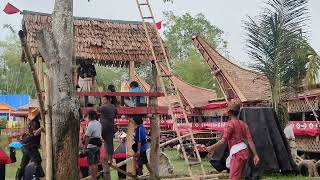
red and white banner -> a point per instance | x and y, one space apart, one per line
310 128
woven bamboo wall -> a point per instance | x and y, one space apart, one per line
301 105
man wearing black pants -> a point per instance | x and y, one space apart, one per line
31 145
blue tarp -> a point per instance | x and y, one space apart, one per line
16 101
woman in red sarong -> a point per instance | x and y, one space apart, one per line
236 133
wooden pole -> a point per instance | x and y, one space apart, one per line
48 125
155 129
27 53
40 74
131 165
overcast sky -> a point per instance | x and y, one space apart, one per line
226 14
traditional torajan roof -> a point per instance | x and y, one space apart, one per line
248 85
194 96
103 41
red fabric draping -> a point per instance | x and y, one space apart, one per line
214 105
4 158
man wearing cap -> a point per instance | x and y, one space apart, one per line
236 133
31 144
120 154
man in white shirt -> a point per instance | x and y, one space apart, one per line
93 143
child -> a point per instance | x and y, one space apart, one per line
140 146
120 155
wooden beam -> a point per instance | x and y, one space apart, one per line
124 94
133 110
35 77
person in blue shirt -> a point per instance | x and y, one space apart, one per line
140 146
135 101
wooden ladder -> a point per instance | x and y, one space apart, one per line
165 75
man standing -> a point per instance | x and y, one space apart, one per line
86 81
31 145
140 146
93 143
108 113
236 132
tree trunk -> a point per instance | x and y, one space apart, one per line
155 129
56 48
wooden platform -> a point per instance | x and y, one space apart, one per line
134 110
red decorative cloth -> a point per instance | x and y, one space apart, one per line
10 9
4 158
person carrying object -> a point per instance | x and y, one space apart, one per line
236 133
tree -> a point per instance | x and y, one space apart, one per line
15 77
56 47
197 72
276 42
187 64
110 75
179 29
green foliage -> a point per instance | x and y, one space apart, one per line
187 63
110 75
277 43
195 71
179 29
15 76
3 123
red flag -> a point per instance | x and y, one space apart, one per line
159 25
10 9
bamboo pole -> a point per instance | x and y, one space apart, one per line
27 53
131 165
48 125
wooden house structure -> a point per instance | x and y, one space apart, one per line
252 89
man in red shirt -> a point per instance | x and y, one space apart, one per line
236 133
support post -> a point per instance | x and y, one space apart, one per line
131 165
48 126
155 128
39 71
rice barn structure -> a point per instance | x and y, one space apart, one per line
252 89
119 44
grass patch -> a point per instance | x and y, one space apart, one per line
179 166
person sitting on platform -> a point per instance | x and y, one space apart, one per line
114 100
236 132
135 101
140 146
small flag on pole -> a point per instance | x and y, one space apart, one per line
159 25
10 9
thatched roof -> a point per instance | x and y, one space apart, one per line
108 42
250 86
194 96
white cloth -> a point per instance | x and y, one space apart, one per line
234 149
288 131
